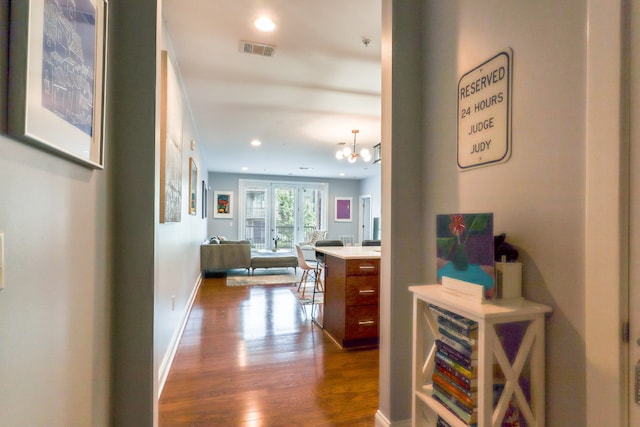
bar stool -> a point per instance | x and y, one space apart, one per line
308 268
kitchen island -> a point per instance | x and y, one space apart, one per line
352 288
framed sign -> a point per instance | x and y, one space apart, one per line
223 204
193 186
57 77
484 113
343 209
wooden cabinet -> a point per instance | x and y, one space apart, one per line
352 289
510 358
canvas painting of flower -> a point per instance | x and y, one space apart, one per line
465 249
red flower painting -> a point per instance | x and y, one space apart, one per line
457 226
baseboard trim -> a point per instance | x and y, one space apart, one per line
167 361
382 421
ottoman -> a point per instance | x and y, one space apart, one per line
273 260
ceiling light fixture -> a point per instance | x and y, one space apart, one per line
256 142
351 154
264 24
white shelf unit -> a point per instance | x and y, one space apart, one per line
490 316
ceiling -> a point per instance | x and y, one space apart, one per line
321 82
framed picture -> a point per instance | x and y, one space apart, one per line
193 186
465 249
223 204
170 143
343 209
57 77
205 195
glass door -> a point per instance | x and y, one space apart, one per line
255 217
313 211
278 215
284 221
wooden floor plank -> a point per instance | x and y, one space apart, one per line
250 356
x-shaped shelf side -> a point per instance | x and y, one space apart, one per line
531 347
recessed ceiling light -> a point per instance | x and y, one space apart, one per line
341 174
264 24
244 168
256 143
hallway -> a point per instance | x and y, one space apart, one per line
250 356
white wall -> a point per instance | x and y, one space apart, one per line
373 186
178 245
55 308
403 260
538 196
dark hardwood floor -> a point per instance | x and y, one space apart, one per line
250 356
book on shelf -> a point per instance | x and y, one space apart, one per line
462 339
453 378
470 400
468 362
469 333
469 373
456 373
456 344
442 422
452 399
462 390
457 322
470 419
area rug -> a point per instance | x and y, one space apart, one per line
308 294
262 279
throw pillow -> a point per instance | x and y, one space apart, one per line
317 235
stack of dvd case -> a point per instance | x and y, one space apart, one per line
455 377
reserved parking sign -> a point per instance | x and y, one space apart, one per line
484 113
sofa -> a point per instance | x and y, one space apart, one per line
218 256
222 255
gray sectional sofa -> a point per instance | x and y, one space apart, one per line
222 255
218 256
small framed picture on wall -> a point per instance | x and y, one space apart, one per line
205 199
343 209
193 186
223 204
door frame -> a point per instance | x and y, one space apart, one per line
606 256
365 219
633 309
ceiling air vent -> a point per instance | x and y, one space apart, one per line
257 48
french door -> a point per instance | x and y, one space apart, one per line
284 221
277 215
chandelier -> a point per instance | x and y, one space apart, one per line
351 154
